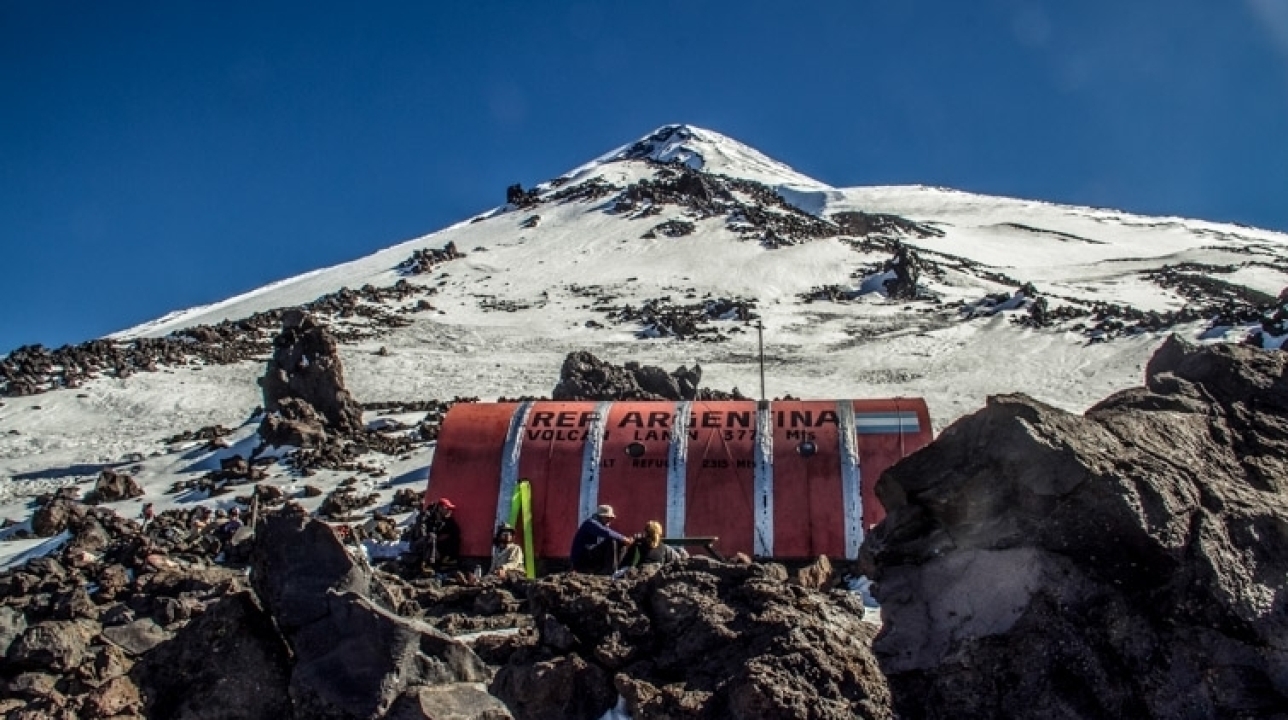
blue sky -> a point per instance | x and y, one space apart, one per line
160 155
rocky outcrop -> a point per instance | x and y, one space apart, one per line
33 369
1130 562
296 562
1273 332
228 662
112 487
55 516
660 317
586 377
889 227
306 368
295 423
426 259
699 640
906 267
352 658
137 621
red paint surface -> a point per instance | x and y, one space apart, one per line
635 486
809 503
467 469
721 476
878 452
550 459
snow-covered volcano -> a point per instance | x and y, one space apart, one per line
666 251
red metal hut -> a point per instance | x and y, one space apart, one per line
784 479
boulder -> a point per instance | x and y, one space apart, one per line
1130 562
296 560
55 645
294 423
56 516
655 380
137 637
700 639
306 366
355 661
230 662
818 575
117 696
12 625
457 701
113 487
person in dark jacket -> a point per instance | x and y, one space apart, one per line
596 546
437 537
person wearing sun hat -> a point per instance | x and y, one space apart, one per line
507 556
595 547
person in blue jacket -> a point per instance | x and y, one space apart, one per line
596 548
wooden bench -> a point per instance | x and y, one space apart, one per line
706 543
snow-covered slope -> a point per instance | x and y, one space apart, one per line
569 266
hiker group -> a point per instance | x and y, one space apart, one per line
597 549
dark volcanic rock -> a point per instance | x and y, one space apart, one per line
586 377
12 626
306 365
698 640
56 645
295 562
229 663
113 486
295 423
426 259
358 659
55 516
457 701
1132 562
907 269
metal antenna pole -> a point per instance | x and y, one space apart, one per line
760 339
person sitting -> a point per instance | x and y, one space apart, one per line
650 550
228 529
438 542
595 546
200 519
507 556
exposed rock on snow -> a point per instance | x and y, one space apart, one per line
113 486
34 369
661 317
586 377
890 227
1132 562
306 366
671 229
426 259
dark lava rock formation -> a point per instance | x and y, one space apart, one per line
127 622
34 369
1131 562
701 639
304 375
586 377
